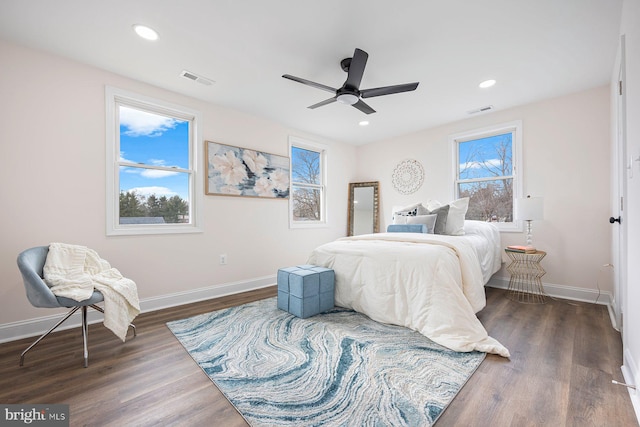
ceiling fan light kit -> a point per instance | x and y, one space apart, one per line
350 92
347 98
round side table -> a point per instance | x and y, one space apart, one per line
525 285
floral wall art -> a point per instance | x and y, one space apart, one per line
236 171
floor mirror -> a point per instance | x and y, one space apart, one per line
363 215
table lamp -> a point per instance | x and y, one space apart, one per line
529 209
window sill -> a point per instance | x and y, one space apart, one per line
314 224
122 231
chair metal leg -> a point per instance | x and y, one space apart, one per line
47 333
85 333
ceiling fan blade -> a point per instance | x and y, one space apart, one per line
325 102
362 106
356 68
388 90
310 83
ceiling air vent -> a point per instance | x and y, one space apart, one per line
196 78
481 109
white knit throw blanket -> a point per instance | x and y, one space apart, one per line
74 272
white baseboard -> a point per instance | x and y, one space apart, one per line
612 313
195 295
562 291
37 326
630 373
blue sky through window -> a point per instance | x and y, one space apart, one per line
486 157
305 166
154 140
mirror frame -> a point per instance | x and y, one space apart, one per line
376 213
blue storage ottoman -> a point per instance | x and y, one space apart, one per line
305 290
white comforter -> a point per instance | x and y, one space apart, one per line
74 271
430 283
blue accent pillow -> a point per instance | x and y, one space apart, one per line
407 228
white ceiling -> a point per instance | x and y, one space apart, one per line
535 49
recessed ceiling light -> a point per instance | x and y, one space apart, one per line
145 32
364 123
487 83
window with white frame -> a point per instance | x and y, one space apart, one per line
308 183
153 186
487 171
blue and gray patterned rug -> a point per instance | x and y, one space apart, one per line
335 369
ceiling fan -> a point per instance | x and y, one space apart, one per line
350 92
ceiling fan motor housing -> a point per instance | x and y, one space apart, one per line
345 63
350 92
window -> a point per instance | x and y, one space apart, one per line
308 178
152 152
487 170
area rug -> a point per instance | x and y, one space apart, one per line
338 368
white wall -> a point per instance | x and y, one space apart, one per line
566 161
52 145
52 187
630 27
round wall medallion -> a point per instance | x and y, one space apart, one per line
408 176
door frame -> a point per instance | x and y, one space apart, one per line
621 172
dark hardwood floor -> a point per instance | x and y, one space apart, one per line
563 358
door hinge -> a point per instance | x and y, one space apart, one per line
621 203
620 87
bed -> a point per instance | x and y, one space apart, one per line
431 283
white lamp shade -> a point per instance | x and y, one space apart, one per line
530 208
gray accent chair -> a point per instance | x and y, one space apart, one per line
31 263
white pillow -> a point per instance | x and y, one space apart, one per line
455 219
428 220
400 215
399 219
418 207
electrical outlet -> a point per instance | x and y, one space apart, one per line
223 259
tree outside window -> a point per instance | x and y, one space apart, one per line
307 185
486 168
485 175
154 168
152 155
